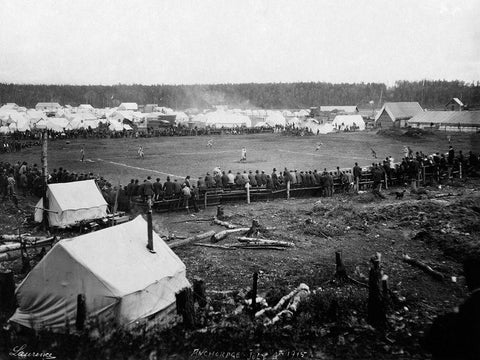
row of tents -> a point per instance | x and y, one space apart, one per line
13 118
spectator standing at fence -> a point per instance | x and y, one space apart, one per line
157 189
357 173
201 183
231 178
168 188
225 180
451 155
275 181
195 196
258 178
148 190
11 188
251 179
186 195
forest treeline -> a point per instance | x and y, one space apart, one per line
430 94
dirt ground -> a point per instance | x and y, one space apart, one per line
438 228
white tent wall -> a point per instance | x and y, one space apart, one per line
344 121
47 297
119 277
72 202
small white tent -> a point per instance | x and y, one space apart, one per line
71 202
121 281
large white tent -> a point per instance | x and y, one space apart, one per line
121 281
341 122
275 118
71 202
226 119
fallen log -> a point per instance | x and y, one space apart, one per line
435 274
294 298
260 247
224 223
191 220
23 238
191 239
17 246
216 237
16 254
225 247
257 241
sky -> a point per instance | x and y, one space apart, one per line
107 42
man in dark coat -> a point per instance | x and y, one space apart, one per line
168 188
225 180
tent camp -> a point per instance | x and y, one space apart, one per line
120 280
72 202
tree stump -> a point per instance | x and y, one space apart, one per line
376 303
185 308
199 292
341 271
255 229
7 294
220 213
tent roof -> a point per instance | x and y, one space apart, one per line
119 258
400 110
128 106
77 195
453 118
340 108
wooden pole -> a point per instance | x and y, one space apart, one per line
254 293
185 307
386 181
199 292
341 272
288 189
376 307
460 170
150 228
81 313
44 159
247 186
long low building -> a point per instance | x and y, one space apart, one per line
468 121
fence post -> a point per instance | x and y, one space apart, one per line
288 189
386 181
247 186
254 294
460 170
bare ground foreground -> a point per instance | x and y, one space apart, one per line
437 228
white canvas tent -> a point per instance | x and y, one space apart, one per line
342 122
71 202
121 280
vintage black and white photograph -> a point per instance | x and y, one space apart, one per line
253 180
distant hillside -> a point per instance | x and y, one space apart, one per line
430 94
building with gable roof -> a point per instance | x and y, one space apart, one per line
396 114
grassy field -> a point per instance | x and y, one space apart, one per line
117 161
